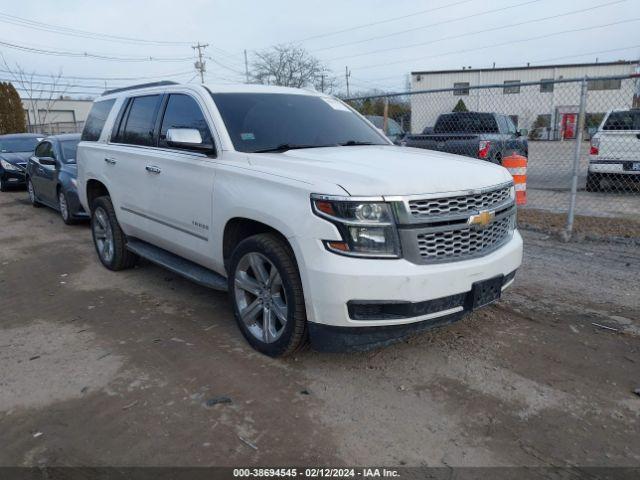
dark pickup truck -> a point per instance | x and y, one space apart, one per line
488 136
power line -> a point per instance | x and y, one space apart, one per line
493 29
96 56
107 78
443 22
26 23
542 61
380 22
510 42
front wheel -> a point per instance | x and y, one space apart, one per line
108 238
32 194
267 297
63 208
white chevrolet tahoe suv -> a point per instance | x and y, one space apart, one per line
317 225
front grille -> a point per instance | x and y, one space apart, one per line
459 204
462 243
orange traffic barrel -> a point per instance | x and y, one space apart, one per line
517 166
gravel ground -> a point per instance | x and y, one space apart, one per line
102 368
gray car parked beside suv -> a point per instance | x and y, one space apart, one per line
487 136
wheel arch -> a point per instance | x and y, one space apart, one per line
95 189
238 229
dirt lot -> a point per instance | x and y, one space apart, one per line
102 368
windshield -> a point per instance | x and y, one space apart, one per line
69 148
270 121
13 145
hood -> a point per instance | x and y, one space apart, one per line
16 158
383 170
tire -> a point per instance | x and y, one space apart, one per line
32 194
63 208
108 238
280 296
593 182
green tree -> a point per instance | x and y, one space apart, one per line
460 107
11 110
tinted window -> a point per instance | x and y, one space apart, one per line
184 112
466 123
260 121
140 121
96 120
623 121
10 145
69 148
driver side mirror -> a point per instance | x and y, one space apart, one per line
188 139
50 161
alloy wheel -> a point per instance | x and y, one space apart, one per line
103 235
32 192
260 297
64 209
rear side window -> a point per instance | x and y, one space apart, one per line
184 112
623 121
96 120
139 121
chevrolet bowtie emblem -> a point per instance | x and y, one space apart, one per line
482 219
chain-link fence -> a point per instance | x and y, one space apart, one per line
56 128
581 138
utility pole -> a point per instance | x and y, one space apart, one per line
322 83
246 66
200 64
347 74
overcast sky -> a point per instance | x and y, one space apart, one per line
380 41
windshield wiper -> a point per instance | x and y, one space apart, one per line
354 143
288 146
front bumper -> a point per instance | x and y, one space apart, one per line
331 282
12 177
442 311
75 207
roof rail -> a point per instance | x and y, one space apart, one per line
140 85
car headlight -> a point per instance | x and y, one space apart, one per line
367 226
8 166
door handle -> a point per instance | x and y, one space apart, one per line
110 161
152 169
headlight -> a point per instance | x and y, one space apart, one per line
8 166
367 226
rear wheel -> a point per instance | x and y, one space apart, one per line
266 291
32 194
594 182
108 238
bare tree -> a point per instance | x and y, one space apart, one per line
291 66
40 96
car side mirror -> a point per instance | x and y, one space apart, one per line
47 161
188 139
